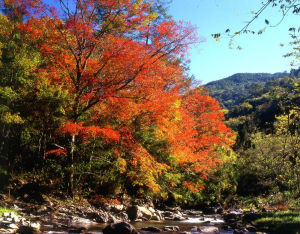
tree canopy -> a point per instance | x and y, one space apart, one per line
97 92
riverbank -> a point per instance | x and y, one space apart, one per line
79 216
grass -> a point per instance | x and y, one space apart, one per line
6 210
280 222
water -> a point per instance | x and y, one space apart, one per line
186 225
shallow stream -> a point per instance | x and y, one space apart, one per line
96 228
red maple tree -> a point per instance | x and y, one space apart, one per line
122 68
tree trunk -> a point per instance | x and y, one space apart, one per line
71 171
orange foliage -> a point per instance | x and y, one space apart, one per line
57 152
124 73
193 187
87 132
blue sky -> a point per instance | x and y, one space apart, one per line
212 60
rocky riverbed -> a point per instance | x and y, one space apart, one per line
55 216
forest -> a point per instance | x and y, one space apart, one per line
266 118
98 96
96 102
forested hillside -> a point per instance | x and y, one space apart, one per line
268 141
235 89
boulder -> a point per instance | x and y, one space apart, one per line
6 214
156 216
151 209
35 226
120 228
14 217
176 215
2 230
138 212
235 211
123 216
133 212
171 228
12 226
208 229
146 214
194 212
168 215
76 219
113 219
99 217
194 229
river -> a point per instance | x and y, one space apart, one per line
184 226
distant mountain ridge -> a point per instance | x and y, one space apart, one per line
234 89
245 78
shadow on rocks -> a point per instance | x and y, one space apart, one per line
120 228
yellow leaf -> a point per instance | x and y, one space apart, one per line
218 39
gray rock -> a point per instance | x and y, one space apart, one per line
81 220
120 228
2 230
112 219
168 214
116 208
16 219
35 226
235 211
6 214
99 217
138 212
194 229
48 225
171 228
151 209
193 212
123 216
178 218
156 217
5 224
12 226
208 229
